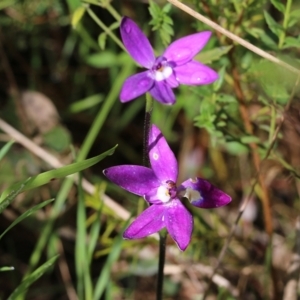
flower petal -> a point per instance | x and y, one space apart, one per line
136 85
136 43
183 50
195 73
162 159
172 81
148 222
203 194
135 179
179 223
162 92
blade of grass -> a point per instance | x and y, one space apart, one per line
4 150
94 234
25 215
4 269
21 289
104 277
46 177
84 282
11 196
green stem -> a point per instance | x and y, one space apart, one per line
285 22
161 264
147 124
103 113
113 12
106 29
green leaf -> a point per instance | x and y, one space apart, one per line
4 150
46 177
57 138
250 139
167 28
268 41
218 83
161 21
102 40
225 98
279 5
273 25
104 59
77 16
167 8
292 21
254 31
236 148
85 103
291 42
154 9
294 17
209 56
4 269
25 215
11 196
32 278
73 4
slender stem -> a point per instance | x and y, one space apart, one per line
107 6
103 113
161 264
113 12
106 29
147 124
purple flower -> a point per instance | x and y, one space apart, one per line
176 65
158 187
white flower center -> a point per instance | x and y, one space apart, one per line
163 194
163 73
192 195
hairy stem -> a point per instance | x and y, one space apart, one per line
161 264
147 124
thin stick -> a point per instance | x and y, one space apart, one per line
233 37
55 163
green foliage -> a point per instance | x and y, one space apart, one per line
5 149
34 276
73 53
161 21
25 215
57 138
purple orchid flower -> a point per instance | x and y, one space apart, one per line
176 65
158 187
